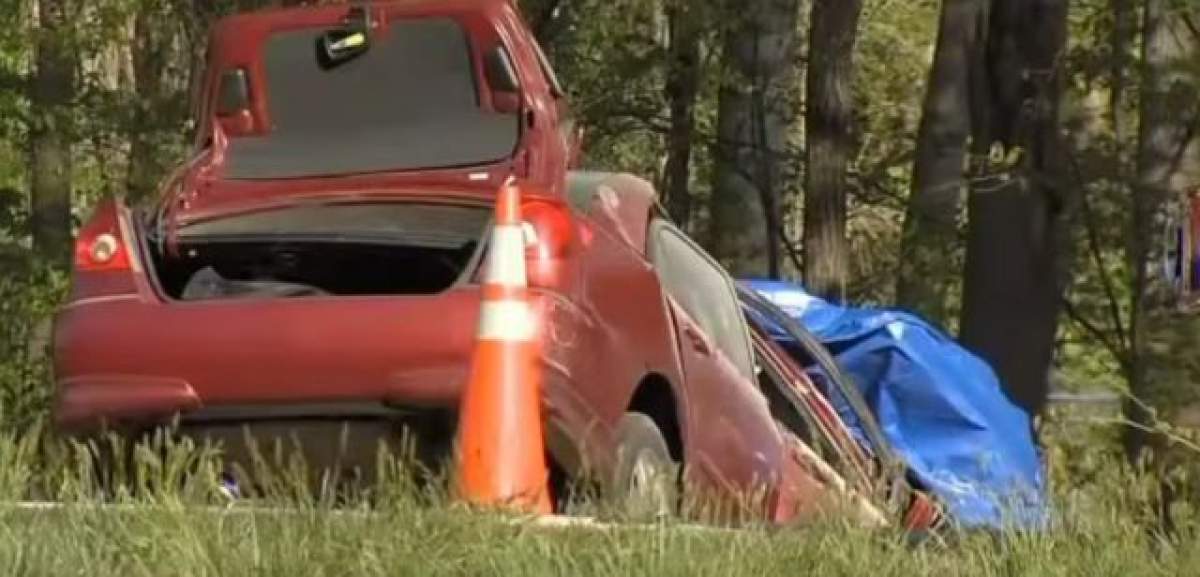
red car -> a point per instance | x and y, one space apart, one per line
315 266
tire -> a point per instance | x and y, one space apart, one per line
646 478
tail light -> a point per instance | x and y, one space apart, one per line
550 232
101 245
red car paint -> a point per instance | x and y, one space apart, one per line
548 141
613 335
127 355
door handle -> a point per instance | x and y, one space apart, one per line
697 339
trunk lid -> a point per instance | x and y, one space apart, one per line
445 98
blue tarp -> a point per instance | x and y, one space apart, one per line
941 408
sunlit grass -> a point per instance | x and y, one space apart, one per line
164 516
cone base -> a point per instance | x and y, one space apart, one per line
501 450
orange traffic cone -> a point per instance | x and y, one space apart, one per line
501 453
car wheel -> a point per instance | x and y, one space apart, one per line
646 480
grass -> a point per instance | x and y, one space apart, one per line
168 520
404 539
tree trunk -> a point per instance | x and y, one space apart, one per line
927 264
150 50
51 92
828 124
1019 220
752 125
1124 28
1169 111
202 15
683 83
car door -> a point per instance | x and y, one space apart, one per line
733 445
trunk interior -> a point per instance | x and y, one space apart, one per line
323 250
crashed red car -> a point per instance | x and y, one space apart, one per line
858 462
315 266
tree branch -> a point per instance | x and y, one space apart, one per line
1096 332
1110 293
1191 25
1189 134
789 246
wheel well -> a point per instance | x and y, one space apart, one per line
655 399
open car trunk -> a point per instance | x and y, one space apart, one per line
324 250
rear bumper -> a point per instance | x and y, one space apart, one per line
89 402
132 364
86 406
132 358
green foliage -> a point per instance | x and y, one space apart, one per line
1088 470
29 293
892 65
610 58
1094 339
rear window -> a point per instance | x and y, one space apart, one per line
410 102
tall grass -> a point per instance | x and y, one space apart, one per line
406 538
164 516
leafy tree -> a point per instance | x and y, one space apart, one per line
753 119
930 272
1170 116
1021 209
684 20
51 92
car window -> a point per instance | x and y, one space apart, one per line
409 102
704 292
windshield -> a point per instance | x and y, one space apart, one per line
409 102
